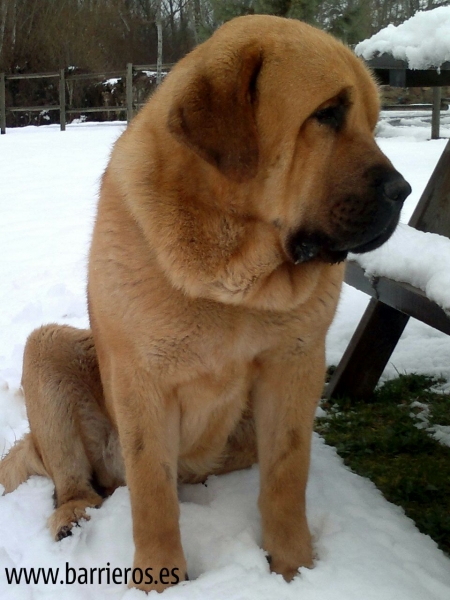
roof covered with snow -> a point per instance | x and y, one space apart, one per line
423 41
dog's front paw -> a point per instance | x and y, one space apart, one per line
287 556
288 568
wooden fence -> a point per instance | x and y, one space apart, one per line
64 77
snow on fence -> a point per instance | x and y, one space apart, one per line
63 76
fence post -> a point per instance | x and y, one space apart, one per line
2 104
62 100
129 89
436 116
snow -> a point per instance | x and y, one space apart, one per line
412 124
441 433
423 41
366 547
111 82
420 259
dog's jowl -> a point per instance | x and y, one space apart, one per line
226 212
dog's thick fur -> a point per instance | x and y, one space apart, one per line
225 213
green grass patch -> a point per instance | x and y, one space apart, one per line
379 439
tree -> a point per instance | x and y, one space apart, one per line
294 9
160 42
47 35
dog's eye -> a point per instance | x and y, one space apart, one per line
332 116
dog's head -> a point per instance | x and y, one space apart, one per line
286 114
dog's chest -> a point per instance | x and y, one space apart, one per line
221 339
225 363
211 404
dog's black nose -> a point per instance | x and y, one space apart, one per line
395 188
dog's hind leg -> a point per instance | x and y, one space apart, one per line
62 390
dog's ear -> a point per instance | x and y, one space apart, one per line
214 114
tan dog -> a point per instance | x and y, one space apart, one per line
225 213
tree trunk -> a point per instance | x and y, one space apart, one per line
3 17
197 21
160 43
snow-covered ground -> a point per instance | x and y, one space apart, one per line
367 549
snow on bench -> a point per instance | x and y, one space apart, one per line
420 259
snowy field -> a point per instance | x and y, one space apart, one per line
366 548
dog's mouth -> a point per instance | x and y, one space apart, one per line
303 247
375 243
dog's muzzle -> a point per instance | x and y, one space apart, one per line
391 193
358 224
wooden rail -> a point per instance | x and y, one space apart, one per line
64 77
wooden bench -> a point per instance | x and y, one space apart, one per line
393 303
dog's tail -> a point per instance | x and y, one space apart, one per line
21 462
